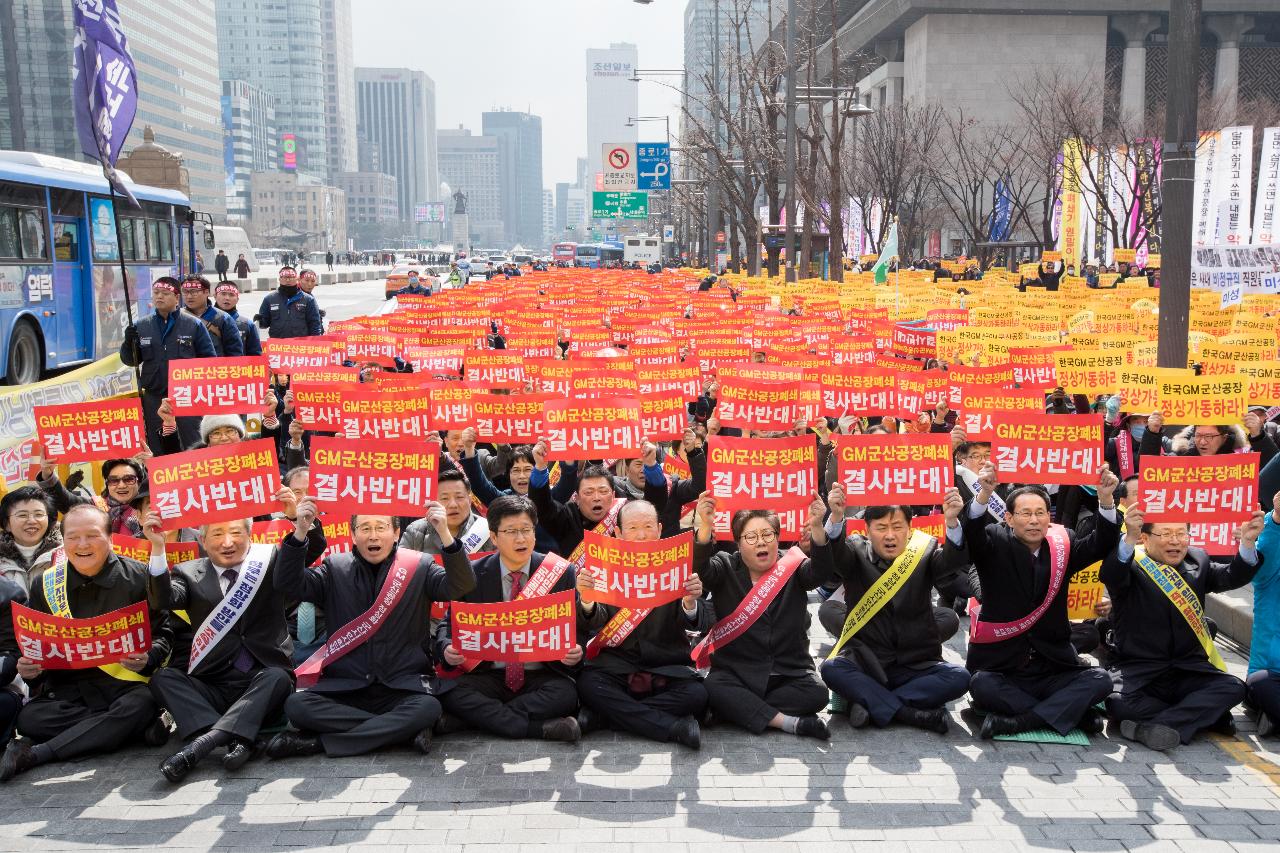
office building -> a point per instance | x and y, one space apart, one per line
35 78
548 217
339 86
248 141
299 208
519 138
373 208
612 99
279 46
396 110
700 34
470 164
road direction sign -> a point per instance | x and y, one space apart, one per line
618 165
632 205
653 165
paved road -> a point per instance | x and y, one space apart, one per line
879 789
344 301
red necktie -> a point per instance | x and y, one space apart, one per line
515 671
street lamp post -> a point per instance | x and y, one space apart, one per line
790 155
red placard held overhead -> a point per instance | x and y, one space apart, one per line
216 386
762 473
373 476
220 483
317 406
543 628
92 430
386 415
140 549
913 469
508 418
663 416
1058 449
1207 490
594 428
636 574
57 642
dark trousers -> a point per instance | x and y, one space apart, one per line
358 721
10 705
1185 701
1059 698
832 614
652 715
234 702
72 729
1263 692
925 689
188 427
794 695
482 701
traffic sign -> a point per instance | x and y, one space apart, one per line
653 165
618 161
668 233
632 205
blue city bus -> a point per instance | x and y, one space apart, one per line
596 255
61 301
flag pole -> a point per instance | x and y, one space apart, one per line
124 270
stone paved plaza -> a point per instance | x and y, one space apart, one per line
893 788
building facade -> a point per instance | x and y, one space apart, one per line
35 78
470 164
519 138
612 99
339 86
299 207
548 217
248 141
279 46
396 114
373 207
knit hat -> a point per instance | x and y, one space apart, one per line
209 423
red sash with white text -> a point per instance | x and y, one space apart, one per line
1124 454
358 631
750 609
1059 552
604 528
626 620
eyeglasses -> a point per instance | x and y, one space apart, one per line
1172 536
518 470
368 529
30 515
759 538
1207 436
517 532
1031 513
127 480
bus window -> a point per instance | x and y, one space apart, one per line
126 239
166 241
66 241
67 202
31 228
154 243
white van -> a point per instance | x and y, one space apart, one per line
230 239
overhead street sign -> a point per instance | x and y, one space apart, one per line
653 165
632 205
618 165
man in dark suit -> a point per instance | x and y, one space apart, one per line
646 684
1169 682
239 669
376 692
75 712
1029 676
514 700
10 699
566 521
891 669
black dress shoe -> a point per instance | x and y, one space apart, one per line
176 767
238 754
813 727
687 732
291 744
157 734
1151 735
422 741
590 721
448 724
18 758
1092 722
562 729
1224 725
998 724
929 719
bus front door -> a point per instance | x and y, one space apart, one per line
64 331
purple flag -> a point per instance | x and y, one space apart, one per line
104 85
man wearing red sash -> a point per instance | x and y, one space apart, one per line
514 700
566 521
76 712
238 668
762 673
643 681
370 677
469 528
1026 674
1170 681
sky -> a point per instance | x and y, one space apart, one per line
527 55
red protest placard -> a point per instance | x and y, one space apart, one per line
1038 448
935 525
763 405
913 469
603 380
791 523
980 405
494 368
338 375
377 414
217 386
270 532
663 415
140 549
1203 489
543 628
92 430
337 537
318 406
636 574
373 476
289 355
594 428
450 406
914 341
857 390
372 346
684 376
508 418
762 473
215 483
674 466
57 642
435 361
